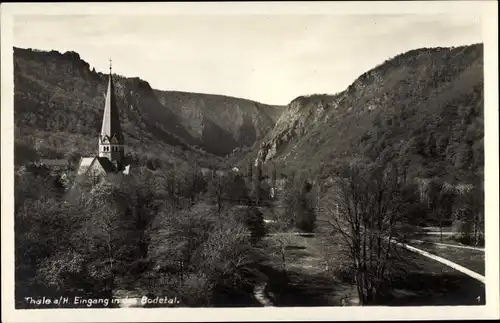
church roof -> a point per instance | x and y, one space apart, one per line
85 163
106 164
111 122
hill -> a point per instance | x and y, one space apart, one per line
217 119
58 105
422 109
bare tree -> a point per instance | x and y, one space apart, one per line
217 189
364 209
469 215
216 251
109 236
228 257
280 241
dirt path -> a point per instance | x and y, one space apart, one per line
447 245
444 261
261 296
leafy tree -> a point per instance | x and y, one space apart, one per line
256 184
236 189
297 205
254 222
250 170
305 209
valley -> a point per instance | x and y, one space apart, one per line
229 198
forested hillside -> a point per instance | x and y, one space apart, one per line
422 109
59 102
221 123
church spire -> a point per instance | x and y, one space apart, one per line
111 141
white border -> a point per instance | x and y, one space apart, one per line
489 12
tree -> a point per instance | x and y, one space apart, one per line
256 181
273 175
229 259
283 207
297 205
469 216
215 250
237 190
253 220
217 189
109 240
305 211
441 196
280 241
43 228
43 225
365 210
250 170
176 238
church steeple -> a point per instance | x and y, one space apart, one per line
111 141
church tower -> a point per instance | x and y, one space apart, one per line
111 140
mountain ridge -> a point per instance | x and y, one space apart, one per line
60 93
426 103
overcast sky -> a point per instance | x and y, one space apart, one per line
271 59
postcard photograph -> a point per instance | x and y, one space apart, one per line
266 159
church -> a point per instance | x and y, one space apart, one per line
110 157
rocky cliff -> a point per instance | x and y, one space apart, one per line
221 123
423 108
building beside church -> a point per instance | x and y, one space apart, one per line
110 157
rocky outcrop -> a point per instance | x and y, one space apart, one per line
423 105
296 119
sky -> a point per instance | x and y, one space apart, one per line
267 58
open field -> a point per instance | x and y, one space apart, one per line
432 283
311 277
308 281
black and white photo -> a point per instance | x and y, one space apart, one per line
202 160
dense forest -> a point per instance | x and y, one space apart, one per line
158 232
